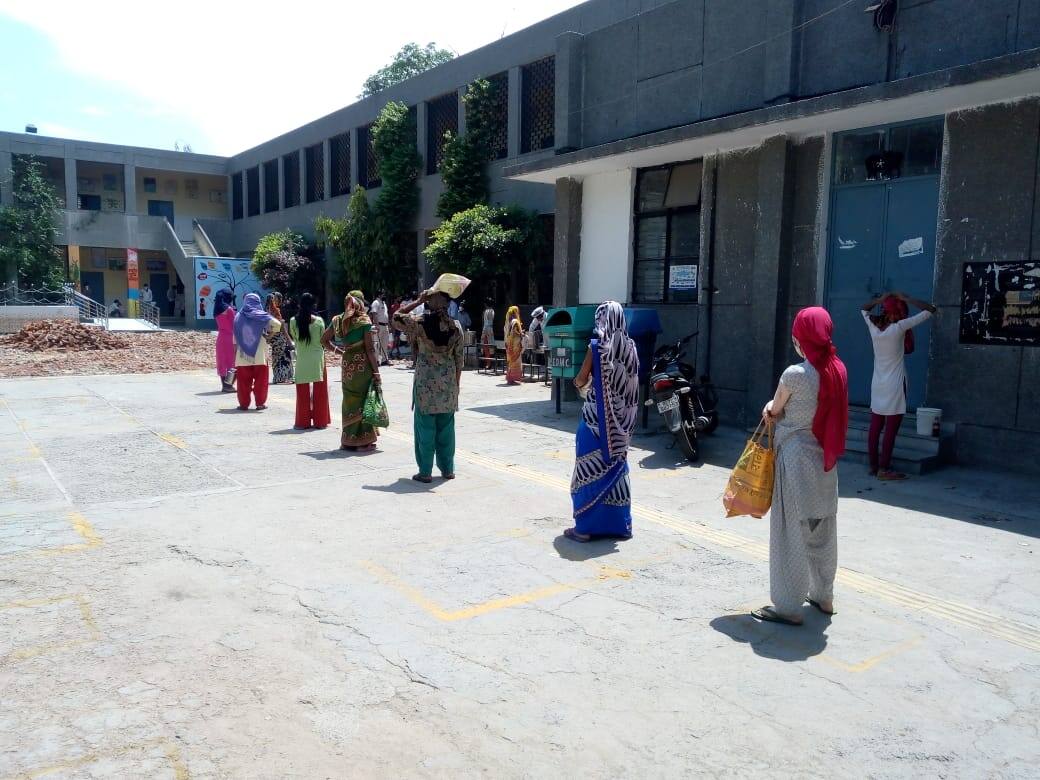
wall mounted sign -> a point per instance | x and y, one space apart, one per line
1000 304
682 277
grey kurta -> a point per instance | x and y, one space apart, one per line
803 542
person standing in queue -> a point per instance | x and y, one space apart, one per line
312 386
437 341
252 327
892 337
811 412
224 314
350 335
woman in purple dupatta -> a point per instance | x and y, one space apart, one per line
252 373
600 488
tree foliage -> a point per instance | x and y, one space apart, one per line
464 166
485 242
410 61
28 228
393 139
282 261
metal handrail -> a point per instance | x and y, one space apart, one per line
149 312
67 295
207 246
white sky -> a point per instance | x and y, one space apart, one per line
242 73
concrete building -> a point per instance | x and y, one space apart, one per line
724 162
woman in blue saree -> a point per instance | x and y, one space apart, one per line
600 488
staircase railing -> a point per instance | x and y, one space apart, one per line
149 312
202 240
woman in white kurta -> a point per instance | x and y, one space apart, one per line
890 334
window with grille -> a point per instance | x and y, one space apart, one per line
667 234
253 191
339 158
236 196
442 116
314 156
368 165
270 186
538 105
500 129
291 179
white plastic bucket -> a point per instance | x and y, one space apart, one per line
926 418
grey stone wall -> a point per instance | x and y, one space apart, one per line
988 211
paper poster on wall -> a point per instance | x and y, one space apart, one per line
682 277
911 247
213 274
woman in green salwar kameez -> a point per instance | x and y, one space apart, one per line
350 334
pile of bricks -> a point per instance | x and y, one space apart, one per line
63 336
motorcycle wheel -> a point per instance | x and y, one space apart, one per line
688 443
713 423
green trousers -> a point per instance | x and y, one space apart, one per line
434 438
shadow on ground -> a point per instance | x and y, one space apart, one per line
570 550
404 486
774 641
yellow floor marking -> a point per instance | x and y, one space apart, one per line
431 607
1013 631
86 614
873 661
171 751
171 439
81 526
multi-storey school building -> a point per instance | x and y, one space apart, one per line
725 162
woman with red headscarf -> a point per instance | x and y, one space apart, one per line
811 414
893 338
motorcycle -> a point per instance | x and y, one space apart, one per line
688 405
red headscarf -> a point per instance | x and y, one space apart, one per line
813 329
896 309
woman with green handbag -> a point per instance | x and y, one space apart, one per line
350 335
437 339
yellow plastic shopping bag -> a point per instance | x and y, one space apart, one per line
750 488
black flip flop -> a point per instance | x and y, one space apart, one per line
770 615
423 478
571 534
817 605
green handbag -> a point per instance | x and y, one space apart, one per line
374 412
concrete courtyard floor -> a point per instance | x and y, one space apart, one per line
188 591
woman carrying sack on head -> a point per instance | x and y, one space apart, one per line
351 336
437 339
811 414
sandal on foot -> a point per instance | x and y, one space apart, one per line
574 536
770 615
261 407
891 476
423 478
448 476
816 604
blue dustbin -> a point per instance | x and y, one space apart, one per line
644 326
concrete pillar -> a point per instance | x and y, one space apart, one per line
570 48
567 242
783 52
354 152
303 176
326 158
130 188
74 266
263 187
71 184
705 289
281 182
6 179
422 120
514 102
768 350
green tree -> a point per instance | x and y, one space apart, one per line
284 262
485 242
362 248
464 165
28 228
393 139
410 61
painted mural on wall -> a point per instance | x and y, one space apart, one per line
213 274
1000 304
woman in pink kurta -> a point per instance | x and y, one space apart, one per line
224 313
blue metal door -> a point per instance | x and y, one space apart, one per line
92 284
908 263
856 240
161 208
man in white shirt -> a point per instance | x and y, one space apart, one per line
146 294
381 318
890 334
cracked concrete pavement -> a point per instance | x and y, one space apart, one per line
187 591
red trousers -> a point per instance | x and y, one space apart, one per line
252 380
890 425
313 413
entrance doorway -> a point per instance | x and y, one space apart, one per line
160 283
161 208
884 207
92 283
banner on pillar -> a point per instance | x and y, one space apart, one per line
133 277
